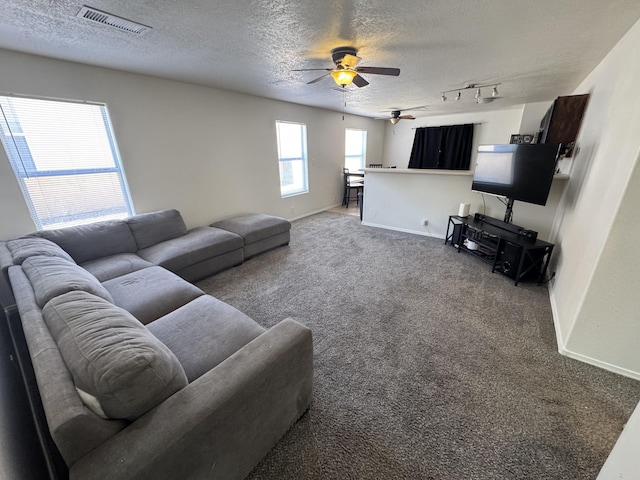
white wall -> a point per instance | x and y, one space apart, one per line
207 152
611 309
401 200
595 294
490 127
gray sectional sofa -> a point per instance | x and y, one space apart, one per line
140 374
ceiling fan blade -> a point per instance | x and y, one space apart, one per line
359 81
311 70
349 61
407 117
317 79
379 70
421 108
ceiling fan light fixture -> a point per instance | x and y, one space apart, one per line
494 92
394 120
343 77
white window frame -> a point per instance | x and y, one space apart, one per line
58 190
292 161
355 160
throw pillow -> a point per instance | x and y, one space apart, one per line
25 247
53 276
111 355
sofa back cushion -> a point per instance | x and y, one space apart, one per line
152 228
53 276
111 355
31 246
95 240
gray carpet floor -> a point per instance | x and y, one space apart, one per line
427 365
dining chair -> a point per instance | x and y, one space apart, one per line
351 183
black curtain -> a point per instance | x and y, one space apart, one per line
447 148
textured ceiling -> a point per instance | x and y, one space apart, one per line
536 50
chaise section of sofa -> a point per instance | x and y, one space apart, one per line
163 239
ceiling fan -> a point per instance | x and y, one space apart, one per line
396 115
346 70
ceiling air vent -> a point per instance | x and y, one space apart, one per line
90 13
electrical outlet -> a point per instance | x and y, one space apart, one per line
425 221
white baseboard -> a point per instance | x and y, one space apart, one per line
580 357
554 314
601 364
308 214
563 350
405 230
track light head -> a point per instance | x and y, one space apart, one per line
478 88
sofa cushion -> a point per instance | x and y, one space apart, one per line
203 333
198 245
95 240
151 293
111 355
115 266
53 276
31 246
152 228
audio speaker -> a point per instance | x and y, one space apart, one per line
463 211
456 238
509 257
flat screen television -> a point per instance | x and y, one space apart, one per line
521 172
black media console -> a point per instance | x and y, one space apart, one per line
510 249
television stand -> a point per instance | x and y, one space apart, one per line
509 249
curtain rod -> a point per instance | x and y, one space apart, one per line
453 125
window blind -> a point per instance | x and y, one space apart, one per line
292 158
65 158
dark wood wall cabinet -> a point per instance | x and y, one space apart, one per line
562 121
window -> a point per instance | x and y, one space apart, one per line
65 158
292 158
355 149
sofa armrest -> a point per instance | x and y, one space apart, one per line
7 300
223 423
6 260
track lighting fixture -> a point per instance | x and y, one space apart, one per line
477 88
